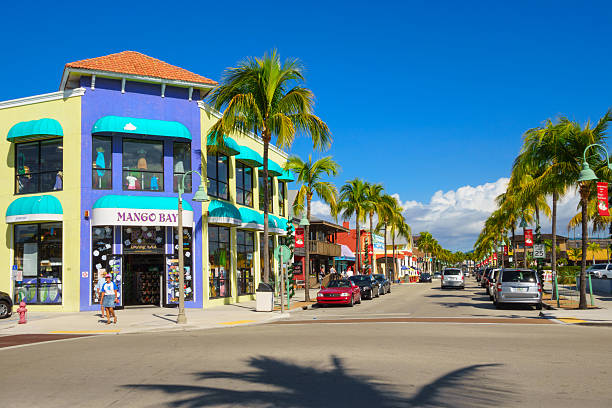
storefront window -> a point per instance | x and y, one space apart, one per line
217 171
182 164
143 165
172 268
261 193
245 248
102 174
219 261
38 256
143 240
244 184
281 197
38 166
101 256
271 253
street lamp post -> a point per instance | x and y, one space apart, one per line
199 196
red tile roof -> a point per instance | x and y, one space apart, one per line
135 63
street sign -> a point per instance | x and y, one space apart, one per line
284 251
539 251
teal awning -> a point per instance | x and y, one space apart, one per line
273 169
282 225
274 225
140 202
35 208
250 157
251 219
231 147
223 213
35 129
286 176
138 126
140 210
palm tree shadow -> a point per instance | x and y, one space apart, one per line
278 383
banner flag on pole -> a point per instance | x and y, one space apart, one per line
528 238
602 198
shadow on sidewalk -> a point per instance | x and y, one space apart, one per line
292 385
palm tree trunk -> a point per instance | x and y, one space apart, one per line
266 247
357 244
513 249
553 256
386 262
393 244
585 231
372 244
307 253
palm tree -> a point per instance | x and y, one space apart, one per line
310 175
353 201
593 246
398 228
385 211
265 96
426 244
373 205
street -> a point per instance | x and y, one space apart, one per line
321 357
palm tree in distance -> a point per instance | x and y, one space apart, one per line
399 228
352 201
265 96
374 205
310 177
385 214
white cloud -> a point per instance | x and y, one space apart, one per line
319 209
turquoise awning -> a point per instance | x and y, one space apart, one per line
35 208
273 169
138 126
286 176
223 213
274 225
231 147
249 156
35 129
141 202
251 219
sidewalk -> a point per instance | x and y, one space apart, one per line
601 314
146 319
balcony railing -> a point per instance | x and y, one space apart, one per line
324 248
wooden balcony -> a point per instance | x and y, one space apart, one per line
324 248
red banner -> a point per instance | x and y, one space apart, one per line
370 249
602 198
528 238
299 238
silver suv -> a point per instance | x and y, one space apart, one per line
518 286
452 277
602 271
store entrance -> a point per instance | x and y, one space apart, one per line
142 279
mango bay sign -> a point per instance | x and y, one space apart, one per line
133 216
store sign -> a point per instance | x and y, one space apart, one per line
138 217
299 238
602 199
528 238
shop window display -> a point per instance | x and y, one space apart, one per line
219 261
38 166
143 240
261 193
217 172
102 258
38 256
172 268
281 198
102 173
245 248
182 164
244 184
143 165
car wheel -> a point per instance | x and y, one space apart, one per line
5 310
604 276
352 302
359 301
378 293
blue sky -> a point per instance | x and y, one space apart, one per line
423 97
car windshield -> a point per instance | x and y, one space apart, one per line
379 276
339 284
424 274
598 266
361 278
519 276
452 272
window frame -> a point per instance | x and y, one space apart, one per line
161 186
216 281
216 180
93 161
185 170
38 172
242 193
246 279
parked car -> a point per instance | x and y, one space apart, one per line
437 275
367 284
479 274
452 277
425 277
518 286
485 276
6 305
385 285
340 291
602 271
491 279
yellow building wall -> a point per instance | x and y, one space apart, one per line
207 121
68 113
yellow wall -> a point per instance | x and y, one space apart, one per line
68 113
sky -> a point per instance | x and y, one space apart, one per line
428 98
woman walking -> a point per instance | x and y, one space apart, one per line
109 298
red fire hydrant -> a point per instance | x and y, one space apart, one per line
22 312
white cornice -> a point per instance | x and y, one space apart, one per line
209 109
53 96
130 77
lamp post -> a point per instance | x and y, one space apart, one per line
199 196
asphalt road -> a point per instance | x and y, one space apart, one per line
309 363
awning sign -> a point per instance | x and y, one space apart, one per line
602 199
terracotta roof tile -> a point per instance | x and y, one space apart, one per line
135 63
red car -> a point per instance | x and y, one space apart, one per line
341 291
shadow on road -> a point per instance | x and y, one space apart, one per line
277 383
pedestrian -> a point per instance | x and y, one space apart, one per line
349 272
109 298
99 292
332 270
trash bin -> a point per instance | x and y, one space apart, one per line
264 298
